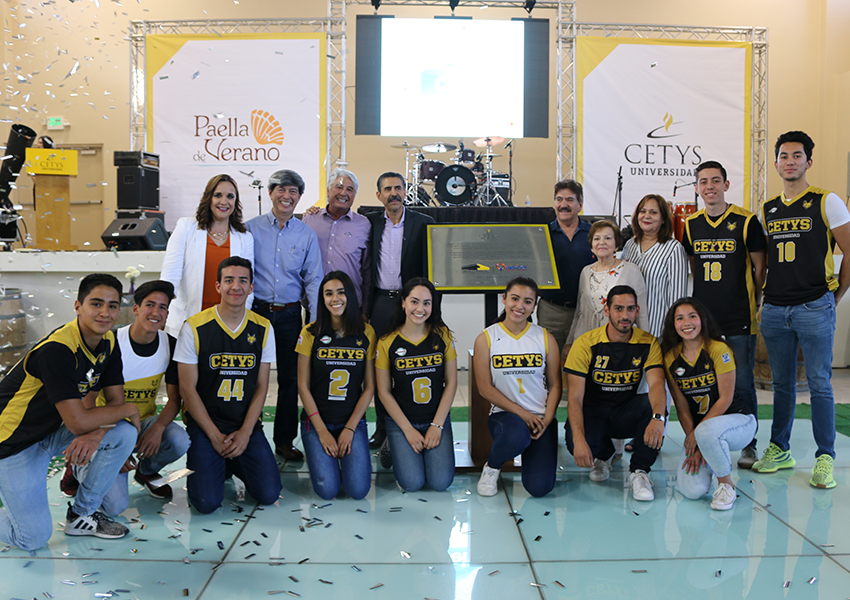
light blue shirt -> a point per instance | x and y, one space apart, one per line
287 261
389 257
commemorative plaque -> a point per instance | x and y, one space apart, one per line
481 258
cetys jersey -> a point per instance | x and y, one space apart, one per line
228 364
799 248
337 370
698 380
518 365
417 371
142 374
612 370
723 270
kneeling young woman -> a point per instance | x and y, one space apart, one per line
416 374
700 371
517 371
336 382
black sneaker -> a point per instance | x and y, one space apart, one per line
97 524
384 455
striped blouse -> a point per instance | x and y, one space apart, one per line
665 269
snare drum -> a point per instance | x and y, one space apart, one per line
430 169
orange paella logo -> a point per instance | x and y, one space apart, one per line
228 139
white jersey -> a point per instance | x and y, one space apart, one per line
518 365
142 374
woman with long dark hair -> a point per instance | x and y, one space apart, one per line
517 369
197 246
416 374
700 370
336 382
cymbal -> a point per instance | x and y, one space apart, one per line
404 146
492 140
438 147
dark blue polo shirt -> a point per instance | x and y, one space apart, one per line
571 257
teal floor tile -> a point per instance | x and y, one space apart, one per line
720 578
375 582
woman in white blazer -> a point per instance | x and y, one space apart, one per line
217 226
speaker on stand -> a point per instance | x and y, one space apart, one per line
138 224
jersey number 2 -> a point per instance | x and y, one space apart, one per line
339 379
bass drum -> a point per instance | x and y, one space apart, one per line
455 186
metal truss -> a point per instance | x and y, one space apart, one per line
467 3
333 25
757 36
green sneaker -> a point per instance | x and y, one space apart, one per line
822 473
774 458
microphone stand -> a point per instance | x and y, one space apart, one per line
618 198
510 147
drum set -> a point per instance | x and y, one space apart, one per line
468 180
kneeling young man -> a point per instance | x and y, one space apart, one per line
44 412
223 358
604 369
146 357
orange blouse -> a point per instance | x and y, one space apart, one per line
215 254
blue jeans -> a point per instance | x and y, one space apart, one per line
811 326
25 517
715 438
744 348
256 467
511 437
175 443
354 470
287 327
435 466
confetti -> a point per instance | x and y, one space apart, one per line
491 573
538 538
717 573
28 563
358 537
787 584
252 555
220 545
546 514
356 568
438 518
639 570
404 554
537 584
293 578
812 580
196 74
303 560
559 584
375 587
293 594
326 582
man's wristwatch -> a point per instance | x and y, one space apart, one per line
659 417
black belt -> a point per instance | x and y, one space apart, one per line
272 307
390 293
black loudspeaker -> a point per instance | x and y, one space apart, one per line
135 234
138 187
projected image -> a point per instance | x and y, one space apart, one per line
451 78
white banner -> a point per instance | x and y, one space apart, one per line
657 109
245 105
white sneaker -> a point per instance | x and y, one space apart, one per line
601 470
641 486
488 484
724 497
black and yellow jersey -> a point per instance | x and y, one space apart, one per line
799 254
59 367
142 374
417 371
698 380
228 364
337 371
723 270
612 370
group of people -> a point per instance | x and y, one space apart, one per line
229 304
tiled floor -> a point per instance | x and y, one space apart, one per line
584 540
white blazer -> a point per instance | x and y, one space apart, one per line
183 266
